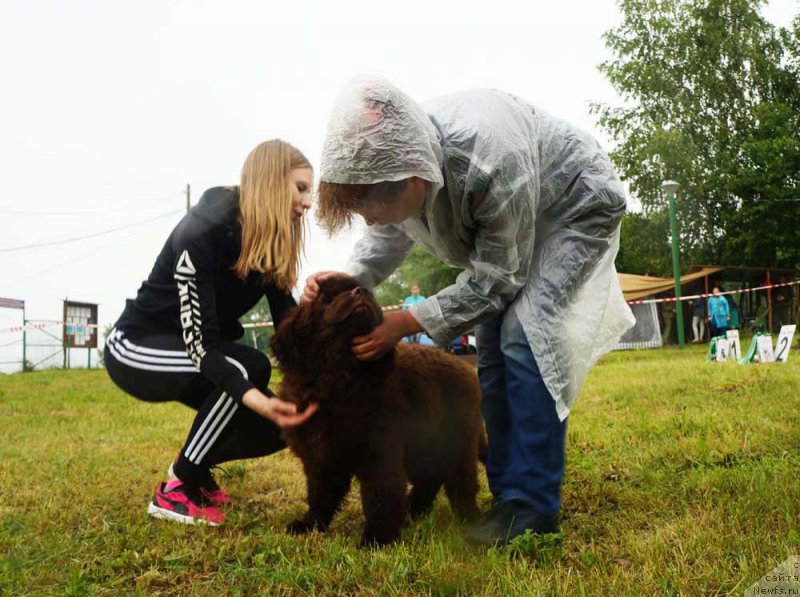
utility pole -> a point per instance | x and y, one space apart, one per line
64 341
188 197
670 187
24 340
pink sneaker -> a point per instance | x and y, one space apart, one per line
218 497
211 492
176 501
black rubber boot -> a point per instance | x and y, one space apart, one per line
510 519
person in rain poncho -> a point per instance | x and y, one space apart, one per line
529 208
719 313
411 300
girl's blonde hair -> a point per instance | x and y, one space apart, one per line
272 240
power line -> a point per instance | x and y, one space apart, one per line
137 206
92 253
77 238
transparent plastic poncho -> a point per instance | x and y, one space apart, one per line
528 206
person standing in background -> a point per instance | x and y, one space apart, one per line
415 298
698 321
719 314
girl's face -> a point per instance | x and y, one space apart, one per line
301 180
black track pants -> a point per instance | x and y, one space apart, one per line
156 368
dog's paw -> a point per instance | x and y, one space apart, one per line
298 527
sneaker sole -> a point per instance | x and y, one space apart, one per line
164 514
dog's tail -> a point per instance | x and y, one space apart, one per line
483 446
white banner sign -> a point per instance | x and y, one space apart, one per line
734 348
722 350
764 345
784 344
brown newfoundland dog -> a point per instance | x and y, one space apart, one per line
412 416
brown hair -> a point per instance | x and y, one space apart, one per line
336 202
272 240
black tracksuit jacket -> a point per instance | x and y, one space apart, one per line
193 291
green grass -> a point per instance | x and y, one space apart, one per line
682 478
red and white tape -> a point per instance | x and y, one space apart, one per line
674 299
257 324
263 324
29 327
40 326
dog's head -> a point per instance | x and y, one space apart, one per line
322 330
347 306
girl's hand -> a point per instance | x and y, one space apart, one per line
383 338
283 414
311 290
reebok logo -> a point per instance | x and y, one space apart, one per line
185 265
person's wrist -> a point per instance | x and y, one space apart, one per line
409 324
258 402
250 396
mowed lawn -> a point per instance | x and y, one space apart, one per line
682 478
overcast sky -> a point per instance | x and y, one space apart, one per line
109 109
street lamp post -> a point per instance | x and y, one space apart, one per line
669 188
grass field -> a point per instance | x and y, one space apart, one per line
682 478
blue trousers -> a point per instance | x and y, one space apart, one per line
525 461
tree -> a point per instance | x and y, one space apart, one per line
417 268
711 98
766 227
644 245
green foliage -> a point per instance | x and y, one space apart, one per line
260 312
712 94
644 244
418 268
545 549
769 187
680 476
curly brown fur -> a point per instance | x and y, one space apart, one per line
412 416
